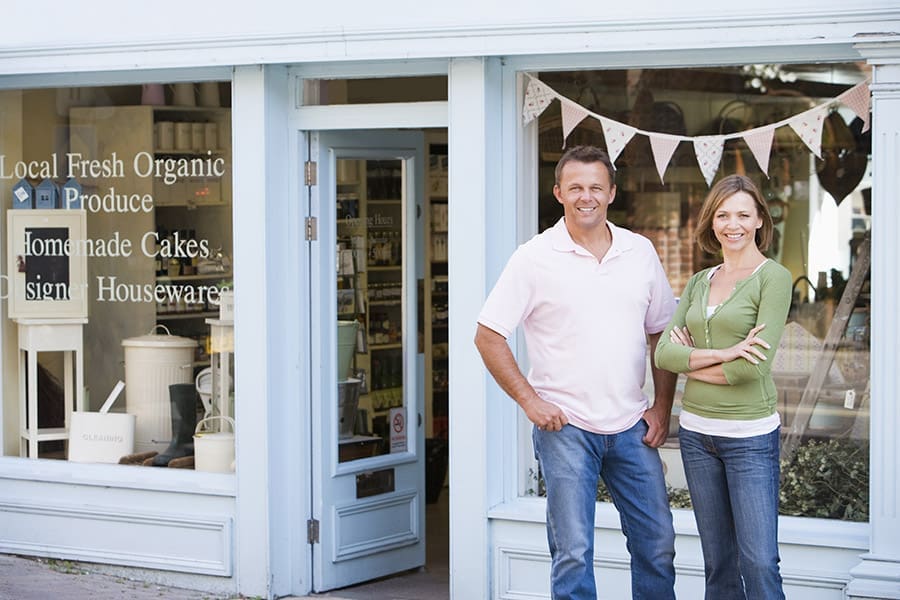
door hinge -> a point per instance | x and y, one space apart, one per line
312 531
312 229
309 172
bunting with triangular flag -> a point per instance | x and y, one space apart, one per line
708 149
617 135
537 97
859 100
572 115
759 141
809 125
663 147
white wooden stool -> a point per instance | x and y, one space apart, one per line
48 335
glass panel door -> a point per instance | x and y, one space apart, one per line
368 439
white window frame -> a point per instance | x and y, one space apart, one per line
516 505
98 474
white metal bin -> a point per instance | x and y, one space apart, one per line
153 362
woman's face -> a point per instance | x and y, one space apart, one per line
735 222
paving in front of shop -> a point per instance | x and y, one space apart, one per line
44 579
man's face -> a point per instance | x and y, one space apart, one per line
585 191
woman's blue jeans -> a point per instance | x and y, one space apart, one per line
571 461
734 490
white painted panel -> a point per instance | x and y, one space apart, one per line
364 528
522 573
162 530
814 565
175 542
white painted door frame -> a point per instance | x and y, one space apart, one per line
303 119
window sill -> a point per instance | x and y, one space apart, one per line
799 531
118 476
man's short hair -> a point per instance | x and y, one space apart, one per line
586 154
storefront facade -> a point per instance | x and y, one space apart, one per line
288 90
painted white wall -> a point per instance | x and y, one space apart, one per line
272 334
104 35
251 258
878 575
109 21
476 204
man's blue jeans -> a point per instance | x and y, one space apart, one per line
571 461
734 490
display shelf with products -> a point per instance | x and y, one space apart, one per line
170 172
193 218
196 142
437 391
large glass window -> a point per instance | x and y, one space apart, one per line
116 208
821 207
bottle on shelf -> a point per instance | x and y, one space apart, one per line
186 265
158 262
195 258
174 267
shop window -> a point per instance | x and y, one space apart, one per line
821 208
116 204
375 91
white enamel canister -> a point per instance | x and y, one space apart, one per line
153 362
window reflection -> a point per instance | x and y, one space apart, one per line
822 213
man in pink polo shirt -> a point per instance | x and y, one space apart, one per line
588 295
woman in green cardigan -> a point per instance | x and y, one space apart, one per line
723 337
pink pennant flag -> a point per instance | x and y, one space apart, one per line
708 149
859 99
617 135
759 141
809 125
537 97
663 148
572 115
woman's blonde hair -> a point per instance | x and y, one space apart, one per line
725 188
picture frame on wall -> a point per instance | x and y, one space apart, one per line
46 264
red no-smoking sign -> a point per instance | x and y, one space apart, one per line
398 429
398 422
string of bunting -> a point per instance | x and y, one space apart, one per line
708 148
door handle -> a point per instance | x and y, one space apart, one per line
420 418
